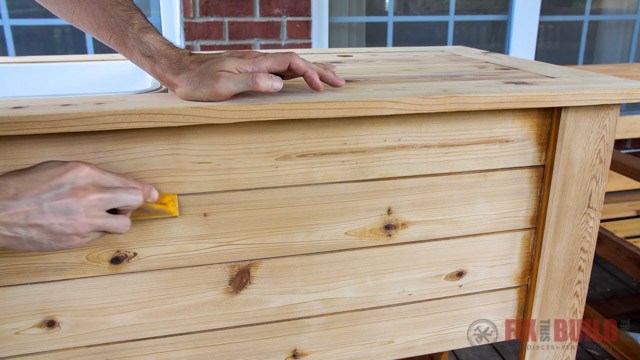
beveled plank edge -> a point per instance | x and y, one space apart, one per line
186 115
268 330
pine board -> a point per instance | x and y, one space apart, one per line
265 154
384 334
376 86
257 224
127 307
623 228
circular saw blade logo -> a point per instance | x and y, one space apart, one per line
481 332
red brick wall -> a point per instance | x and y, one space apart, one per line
247 24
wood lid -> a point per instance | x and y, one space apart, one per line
380 81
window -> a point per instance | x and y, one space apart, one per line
588 31
27 28
479 23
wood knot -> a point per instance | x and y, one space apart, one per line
344 55
122 256
240 279
455 275
296 354
46 326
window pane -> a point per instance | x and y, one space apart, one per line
419 33
486 35
357 34
100 48
48 40
614 7
27 9
424 7
608 42
482 7
559 42
563 7
358 8
3 43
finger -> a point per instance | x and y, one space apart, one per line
114 224
329 67
291 64
229 84
120 199
109 179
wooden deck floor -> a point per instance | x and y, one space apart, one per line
607 282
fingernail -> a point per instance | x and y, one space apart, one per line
276 83
154 195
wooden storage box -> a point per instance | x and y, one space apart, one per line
378 221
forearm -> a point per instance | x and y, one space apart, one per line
121 25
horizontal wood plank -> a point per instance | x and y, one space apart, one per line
623 228
626 164
256 224
621 204
256 155
628 127
479 81
384 334
125 307
618 182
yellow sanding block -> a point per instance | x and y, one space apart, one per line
166 206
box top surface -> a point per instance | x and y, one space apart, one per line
380 81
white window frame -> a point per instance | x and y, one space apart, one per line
170 22
523 25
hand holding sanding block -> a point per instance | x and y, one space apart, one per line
166 206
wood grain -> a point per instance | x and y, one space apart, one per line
265 154
621 204
570 227
434 88
384 334
617 182
257 224
623 228
126 307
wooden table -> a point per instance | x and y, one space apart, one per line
378 221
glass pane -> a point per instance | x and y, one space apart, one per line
614 7
48 40
559 42
358 8
100 48
151 9
563 7
420 33
27 9
357 34
482 7
486 35
3 43
630 108
424 7
608 42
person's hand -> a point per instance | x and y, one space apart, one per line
216 77
59 205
